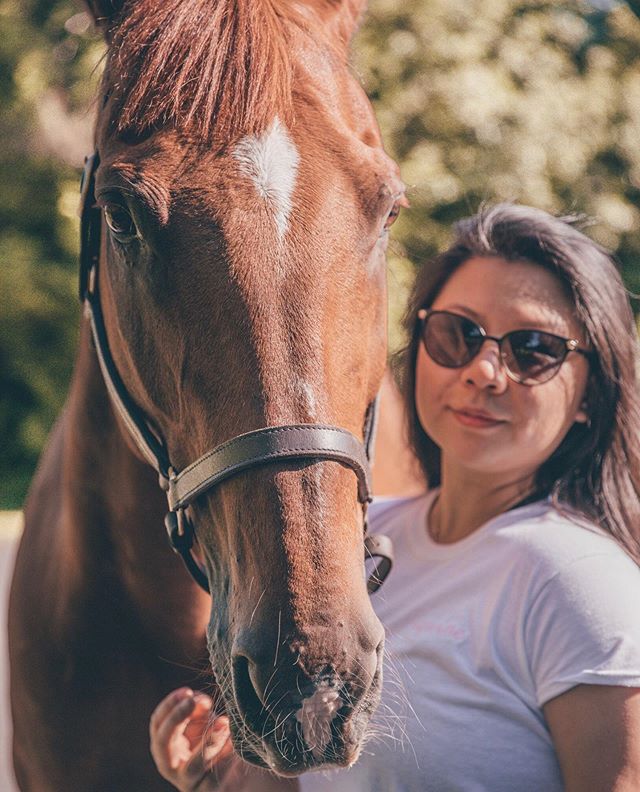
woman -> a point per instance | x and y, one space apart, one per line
512 611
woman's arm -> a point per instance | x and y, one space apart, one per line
596 734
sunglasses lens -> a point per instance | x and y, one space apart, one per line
533 356
450 340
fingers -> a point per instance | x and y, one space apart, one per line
218 743
172 731
169 747
183 747
206 765
166 706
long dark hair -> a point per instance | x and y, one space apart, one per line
596 468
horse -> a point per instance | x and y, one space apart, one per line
235 221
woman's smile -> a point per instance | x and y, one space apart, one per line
476 419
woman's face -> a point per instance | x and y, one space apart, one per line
481 419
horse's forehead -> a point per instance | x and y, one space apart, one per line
261 170
270 161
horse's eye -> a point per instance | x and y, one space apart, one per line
120 222
392 216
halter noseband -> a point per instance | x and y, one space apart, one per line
263 446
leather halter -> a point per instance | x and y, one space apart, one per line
314 442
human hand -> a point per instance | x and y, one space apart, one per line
189 751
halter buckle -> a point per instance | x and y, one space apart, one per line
380 547
178 530
181 535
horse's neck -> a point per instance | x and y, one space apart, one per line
115 512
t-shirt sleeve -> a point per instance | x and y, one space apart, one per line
583 626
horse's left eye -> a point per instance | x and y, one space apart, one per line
392 216
120 222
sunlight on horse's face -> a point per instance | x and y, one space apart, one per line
245 287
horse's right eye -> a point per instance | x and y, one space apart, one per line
120 222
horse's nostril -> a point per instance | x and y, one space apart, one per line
248 699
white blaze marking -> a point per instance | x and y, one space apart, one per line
271 160
316 715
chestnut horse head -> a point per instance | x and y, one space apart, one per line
246 200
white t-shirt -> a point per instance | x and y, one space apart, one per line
480 634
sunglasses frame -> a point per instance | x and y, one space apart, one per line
570 345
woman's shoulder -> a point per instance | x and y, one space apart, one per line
387 510
579 607
556 539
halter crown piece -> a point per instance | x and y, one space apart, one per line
264 446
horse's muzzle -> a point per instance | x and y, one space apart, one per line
291 716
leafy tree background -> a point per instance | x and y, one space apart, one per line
478 100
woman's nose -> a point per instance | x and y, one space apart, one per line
486 370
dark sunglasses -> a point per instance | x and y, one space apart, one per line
529 357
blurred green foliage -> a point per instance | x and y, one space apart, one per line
40 62
489 100
478 101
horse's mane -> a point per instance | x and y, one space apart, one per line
211 69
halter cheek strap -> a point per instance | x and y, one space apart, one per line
313 442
